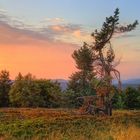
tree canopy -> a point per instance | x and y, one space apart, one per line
80 81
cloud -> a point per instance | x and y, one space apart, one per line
13 21
12 35
71 33
13 27
60 29
53 20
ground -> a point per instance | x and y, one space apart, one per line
66 124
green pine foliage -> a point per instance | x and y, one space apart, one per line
81 81
5 84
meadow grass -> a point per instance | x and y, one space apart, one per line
64 124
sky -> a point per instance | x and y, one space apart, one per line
39 36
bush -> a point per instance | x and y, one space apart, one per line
27 91
132 100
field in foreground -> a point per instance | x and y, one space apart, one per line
63 124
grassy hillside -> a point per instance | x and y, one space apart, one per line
63 124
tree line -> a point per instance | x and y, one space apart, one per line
27 91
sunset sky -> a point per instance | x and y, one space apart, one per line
39 36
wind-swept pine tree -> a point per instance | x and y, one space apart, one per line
100 60
105 56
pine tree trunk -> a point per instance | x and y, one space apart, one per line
108 108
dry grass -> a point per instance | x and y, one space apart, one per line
131 133
64 124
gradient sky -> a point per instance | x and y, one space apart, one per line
39 36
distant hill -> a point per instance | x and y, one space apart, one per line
63 83
131 82
125 83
